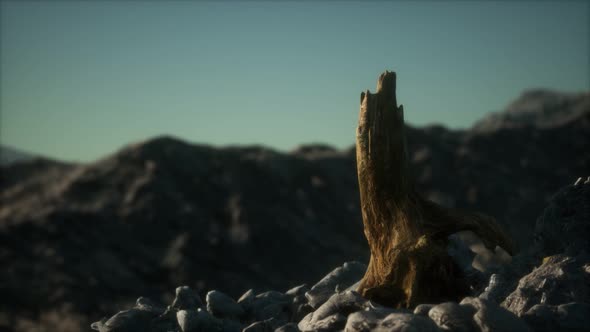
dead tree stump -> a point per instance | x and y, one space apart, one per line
407 234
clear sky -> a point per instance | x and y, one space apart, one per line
81 79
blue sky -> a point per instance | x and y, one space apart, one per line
81 79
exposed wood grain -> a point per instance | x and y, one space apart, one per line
407 234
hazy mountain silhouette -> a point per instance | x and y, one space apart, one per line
539 108
10 155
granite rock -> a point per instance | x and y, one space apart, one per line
560 279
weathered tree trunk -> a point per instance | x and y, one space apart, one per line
407 234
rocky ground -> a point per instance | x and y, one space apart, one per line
78 241
545 288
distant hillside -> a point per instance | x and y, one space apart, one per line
10 155
164 212
538 108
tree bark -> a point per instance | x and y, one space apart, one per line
407 234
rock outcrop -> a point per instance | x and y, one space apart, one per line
552 294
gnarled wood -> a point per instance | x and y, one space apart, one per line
407 234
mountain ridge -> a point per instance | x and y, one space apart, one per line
164 212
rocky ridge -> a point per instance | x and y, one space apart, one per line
553 296
537 108
10 155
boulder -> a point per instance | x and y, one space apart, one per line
402 322
132 320
566 317
574 316
267 305
246 298
144 303
197 321
299 304
489 316
268 325
222 306
290 327
186 299
341 278
334 312
560 279
564 225
368 319
362 321
298 290
542 318
230 325
423 309
333 322
452 316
